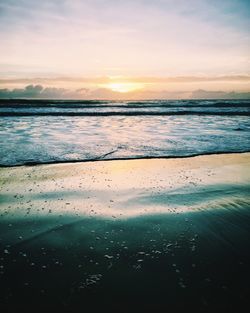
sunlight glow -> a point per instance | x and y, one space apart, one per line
124 87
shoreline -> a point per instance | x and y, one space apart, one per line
102 159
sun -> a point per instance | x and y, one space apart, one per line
124 87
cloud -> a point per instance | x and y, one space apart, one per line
29 91
39 92
203 94
34 92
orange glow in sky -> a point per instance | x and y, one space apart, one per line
124 87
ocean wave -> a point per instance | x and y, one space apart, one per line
126 113
37 135
64 104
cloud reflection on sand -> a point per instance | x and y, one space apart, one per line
123 189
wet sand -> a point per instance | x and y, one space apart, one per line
160 235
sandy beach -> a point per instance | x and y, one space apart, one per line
153 235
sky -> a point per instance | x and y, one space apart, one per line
117 46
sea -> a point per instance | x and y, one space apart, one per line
51 131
